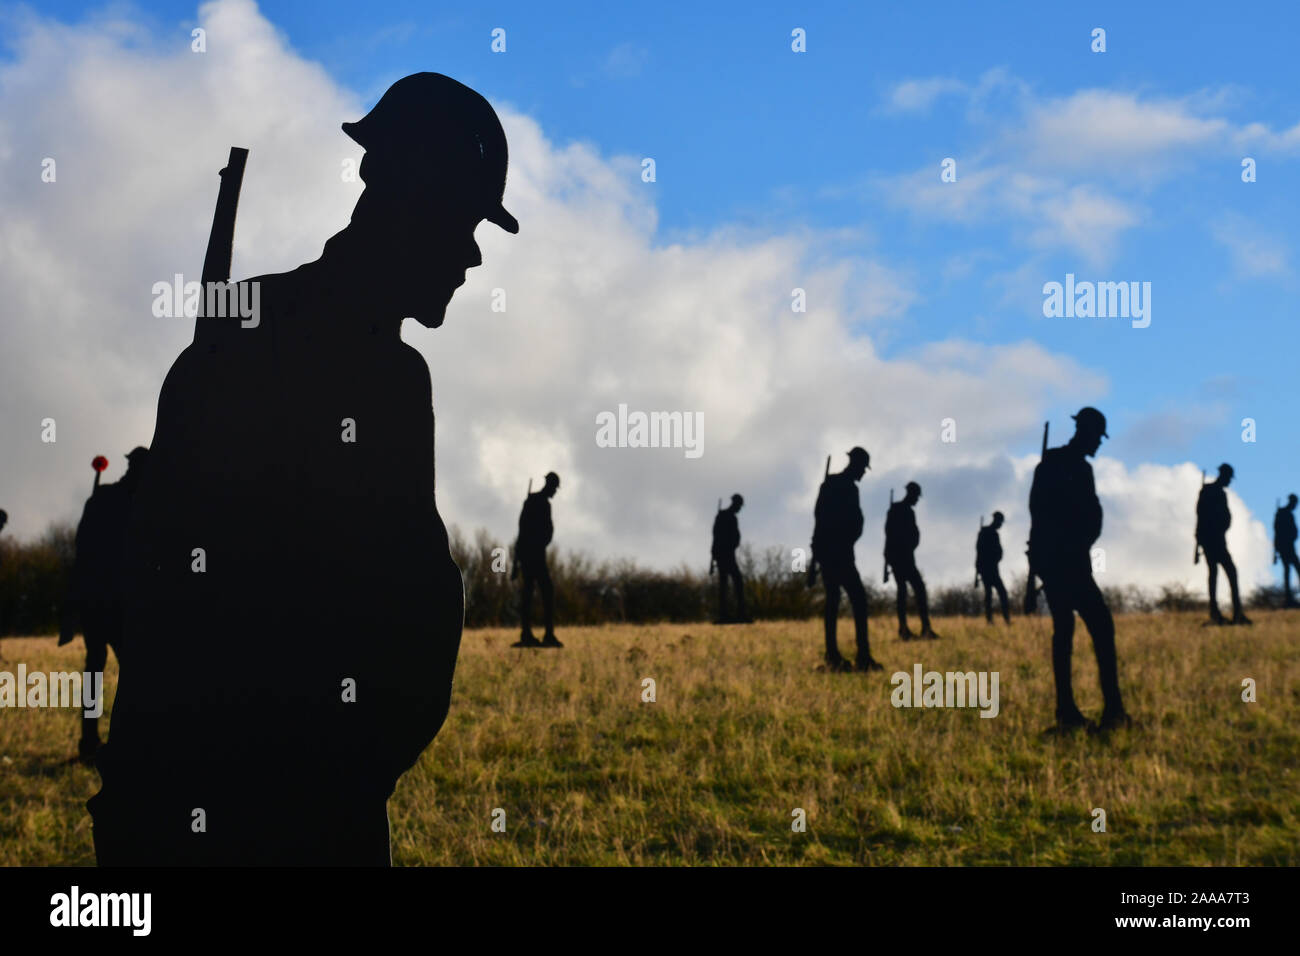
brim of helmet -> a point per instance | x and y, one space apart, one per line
498 216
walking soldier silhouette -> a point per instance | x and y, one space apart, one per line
837 525
1065 516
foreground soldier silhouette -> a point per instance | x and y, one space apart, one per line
726 539
901 538
535 532
1284 536
1212 521
1065 517
836 528
293 610
988 554
95 590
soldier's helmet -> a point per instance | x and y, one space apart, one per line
912 486
1291 499
1225 470
998 516
859 455
137 454
552 479
1091 421
452 127
737 500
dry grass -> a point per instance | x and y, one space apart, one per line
745 729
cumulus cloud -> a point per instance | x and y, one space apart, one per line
599 312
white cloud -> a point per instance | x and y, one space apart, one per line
1115 131
1068 172
597 314
917 96
1254 252
1051 213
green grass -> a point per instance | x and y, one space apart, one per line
746 728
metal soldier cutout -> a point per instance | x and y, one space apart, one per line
726 539
988 553
293 613
901 538
1065 518
535 532
1212 521
95 591
1284 535
837 526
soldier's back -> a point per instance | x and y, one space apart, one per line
838 515
288 524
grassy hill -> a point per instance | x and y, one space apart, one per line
745 729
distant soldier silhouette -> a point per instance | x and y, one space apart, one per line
1212 521
535 532
901 538
1065 520
837 526
293 610
1284 536
726 539
95 591
988 553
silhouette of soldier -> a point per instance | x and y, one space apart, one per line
1065 519
1212 521
535 531
95 590
1284 535
837 525
988 553
293 610
726 539
901 538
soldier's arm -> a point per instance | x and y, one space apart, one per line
1036 493
1091 506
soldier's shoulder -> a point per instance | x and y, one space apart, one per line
839 483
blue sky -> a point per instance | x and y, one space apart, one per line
745 132
1123 165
